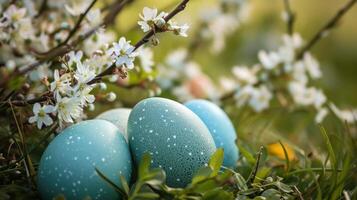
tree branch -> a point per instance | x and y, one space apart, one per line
110 70
78 23
329 25
61 50
290 17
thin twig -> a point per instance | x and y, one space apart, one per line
61 50
290 17
256 167
325 29
298 192
110 70
42 8
78 23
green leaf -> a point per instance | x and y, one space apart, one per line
124 184
147 195
250 158
155 177
286 157
329 147
205 186
218 194
202 174
283 187
111 183
241 182
271 194
144 165
216 161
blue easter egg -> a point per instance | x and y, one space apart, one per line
119 117
177 140
220 126
67 166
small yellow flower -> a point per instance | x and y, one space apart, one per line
277 150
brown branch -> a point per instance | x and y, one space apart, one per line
329 25
110 70
59 50
290 17
178 9
42 8
47 96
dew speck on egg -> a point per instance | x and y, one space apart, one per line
68 164
220 126
177 140
119 117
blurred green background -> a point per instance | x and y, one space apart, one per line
262 30
337 53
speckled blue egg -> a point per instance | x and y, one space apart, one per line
177 140
119 117
220 126
68 164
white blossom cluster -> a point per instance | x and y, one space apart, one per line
151 20
222 20
280 75
193 83
27 36
71 86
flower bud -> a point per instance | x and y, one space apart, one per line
160 22
111 96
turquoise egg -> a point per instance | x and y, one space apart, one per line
220 126
119 117
177 140
68 164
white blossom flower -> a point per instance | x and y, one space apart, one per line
294 41
123 53
97 41
227 84
111 96
244 75
68 109
260 98
180 30
76 7
219 27
176 59
306 96
60 84
350 116
102 86
26 29
12 14
312 66
41 72
243 95
84 73
94 17
146 58
73 58
321 114
83 93
269 60
150 19
41 115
